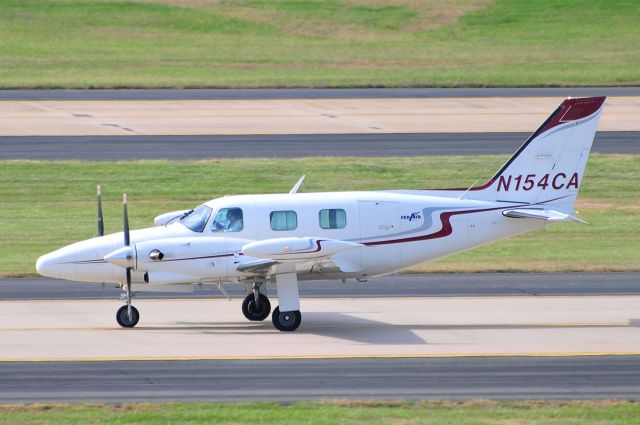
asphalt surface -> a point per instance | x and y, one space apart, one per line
403 285
317 379
321 93
109 148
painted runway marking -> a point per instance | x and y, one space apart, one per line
381 325
316 357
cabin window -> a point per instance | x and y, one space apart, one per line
228 220
333 219
283 220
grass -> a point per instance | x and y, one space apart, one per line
405 413
285 43
45 205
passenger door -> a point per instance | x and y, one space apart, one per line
379 220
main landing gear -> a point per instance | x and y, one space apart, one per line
286 317
286 321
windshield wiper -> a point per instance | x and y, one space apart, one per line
183 216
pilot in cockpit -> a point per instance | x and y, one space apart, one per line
228 220
235 224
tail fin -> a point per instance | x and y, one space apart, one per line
548 168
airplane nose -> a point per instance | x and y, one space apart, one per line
57 264
81 261
47 265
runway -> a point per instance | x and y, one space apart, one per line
510 347
214 329
319 93
114 148
400 285
295 380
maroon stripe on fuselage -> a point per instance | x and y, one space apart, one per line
200 258
85 262
444 231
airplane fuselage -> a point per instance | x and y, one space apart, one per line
395 230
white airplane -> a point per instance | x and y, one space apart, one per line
286 238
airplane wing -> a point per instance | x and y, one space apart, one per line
542 214
256 266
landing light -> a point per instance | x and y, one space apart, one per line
156 255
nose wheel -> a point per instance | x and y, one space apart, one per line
256 310
124 319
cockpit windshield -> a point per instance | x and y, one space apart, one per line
196 220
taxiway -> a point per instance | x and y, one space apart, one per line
397 285
410 348
118 148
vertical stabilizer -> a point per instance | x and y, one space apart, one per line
548 168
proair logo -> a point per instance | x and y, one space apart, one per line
412 216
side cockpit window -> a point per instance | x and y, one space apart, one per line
228 220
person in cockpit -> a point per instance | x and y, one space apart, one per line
235 224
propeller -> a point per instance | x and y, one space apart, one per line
127 242
100 219
124 256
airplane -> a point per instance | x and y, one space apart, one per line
283 239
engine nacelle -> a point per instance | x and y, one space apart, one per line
297 249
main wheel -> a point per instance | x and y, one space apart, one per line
253 312
123 318
287 321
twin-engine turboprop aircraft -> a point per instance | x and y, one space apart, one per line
285 238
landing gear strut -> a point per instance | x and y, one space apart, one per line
286 317
127 316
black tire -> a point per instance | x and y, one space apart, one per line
287 321
253 313
123 319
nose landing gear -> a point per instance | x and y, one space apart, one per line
123 319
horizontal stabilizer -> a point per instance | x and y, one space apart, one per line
542 214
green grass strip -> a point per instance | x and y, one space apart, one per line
338 43
45 205
331 413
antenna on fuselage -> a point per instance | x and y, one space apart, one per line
470 187
295 188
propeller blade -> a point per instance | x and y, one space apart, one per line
126 221
100 220
127 242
